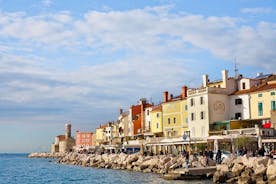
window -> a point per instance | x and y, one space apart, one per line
186 107
273 105
238 115
243 85
174 120
192 102
169 121
147 112
260 95
201 115
157 125
201 100
192 116
157 115
260 108
272 93
238 101
186 120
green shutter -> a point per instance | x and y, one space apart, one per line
260 108
273 105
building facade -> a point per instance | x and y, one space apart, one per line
208 106
64 143
157 121
84 139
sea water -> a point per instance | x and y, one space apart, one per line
18 168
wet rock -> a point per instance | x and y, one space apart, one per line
237 169
271 173
219 177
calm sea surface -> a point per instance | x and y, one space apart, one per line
17 168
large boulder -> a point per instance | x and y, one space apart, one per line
237 169
260 170
262 160
219 177
222 168
271 172
132 158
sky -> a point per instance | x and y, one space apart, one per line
80 61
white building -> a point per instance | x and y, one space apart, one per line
147 119
209 104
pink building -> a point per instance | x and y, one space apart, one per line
84 139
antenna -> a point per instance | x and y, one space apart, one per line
236 69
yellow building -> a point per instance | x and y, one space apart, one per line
184 115
175 114
263 100
100 135
156 121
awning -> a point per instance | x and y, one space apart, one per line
268 140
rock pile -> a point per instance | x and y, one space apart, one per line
160 164
46 155
136 162
246 170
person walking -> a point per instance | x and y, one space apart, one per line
187 156
218 157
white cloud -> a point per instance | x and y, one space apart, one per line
47 3
151 31
257 10
154 43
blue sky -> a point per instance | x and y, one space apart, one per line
81 61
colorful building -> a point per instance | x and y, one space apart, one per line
64 143
208 106
100 135
123 120
84 139
136 117
174 114
263 101
156 121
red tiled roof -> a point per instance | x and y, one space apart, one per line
266 87
262 87
157 108
61 137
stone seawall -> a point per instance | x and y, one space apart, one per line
47 155
232 170
160 164
246 170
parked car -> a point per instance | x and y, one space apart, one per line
224 154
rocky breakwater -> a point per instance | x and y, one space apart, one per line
47 155
160 164
246 170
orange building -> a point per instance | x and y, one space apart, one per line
137 116
84 139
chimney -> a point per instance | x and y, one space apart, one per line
165 96
205 80
224 74
171 96
184 92
143 101
121 111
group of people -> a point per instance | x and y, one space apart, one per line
259 152
209 154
